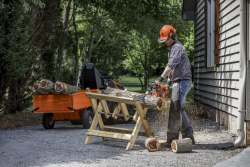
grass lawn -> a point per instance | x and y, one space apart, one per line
133 83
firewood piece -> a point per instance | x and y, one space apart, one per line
37 89
152 144
182 145
48 86
149 102
64 88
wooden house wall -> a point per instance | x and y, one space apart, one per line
220 88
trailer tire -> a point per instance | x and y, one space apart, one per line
87 119
47 121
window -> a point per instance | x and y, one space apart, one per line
212 34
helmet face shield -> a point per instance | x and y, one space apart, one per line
161 41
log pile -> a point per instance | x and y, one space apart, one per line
45 87
149 101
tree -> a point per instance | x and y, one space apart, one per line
93 16
90 43
144 53
15 59
63 37
55 43
23 34
76 44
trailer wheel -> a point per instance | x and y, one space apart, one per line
47 121
87 119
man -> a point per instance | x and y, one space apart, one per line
178 72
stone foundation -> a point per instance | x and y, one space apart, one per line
225 119
248 134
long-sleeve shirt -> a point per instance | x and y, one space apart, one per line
179 63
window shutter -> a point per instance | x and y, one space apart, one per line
217 31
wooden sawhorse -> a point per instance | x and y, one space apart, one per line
112 132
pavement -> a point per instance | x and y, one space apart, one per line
242 159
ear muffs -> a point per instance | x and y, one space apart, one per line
173 36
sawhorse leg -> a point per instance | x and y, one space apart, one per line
142 113
97 119
134 134
140 121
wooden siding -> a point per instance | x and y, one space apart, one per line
224 107
219 83
217 97
220 88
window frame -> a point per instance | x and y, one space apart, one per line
212 39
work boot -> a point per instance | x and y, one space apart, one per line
184 132
192 138
189 134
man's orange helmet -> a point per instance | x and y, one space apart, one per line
166 32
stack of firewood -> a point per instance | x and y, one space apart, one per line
45 87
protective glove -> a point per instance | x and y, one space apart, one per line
168 84
159 80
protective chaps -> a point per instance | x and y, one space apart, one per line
174 115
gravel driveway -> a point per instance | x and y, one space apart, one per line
64 146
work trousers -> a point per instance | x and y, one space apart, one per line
177 113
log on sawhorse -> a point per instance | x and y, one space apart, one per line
113 132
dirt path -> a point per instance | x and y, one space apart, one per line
13 121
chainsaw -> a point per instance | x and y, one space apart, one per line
158 90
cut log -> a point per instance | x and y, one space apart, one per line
64 88
182 145
36 87
38 91
48 86
152 144
149 101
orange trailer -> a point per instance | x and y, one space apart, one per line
74 108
